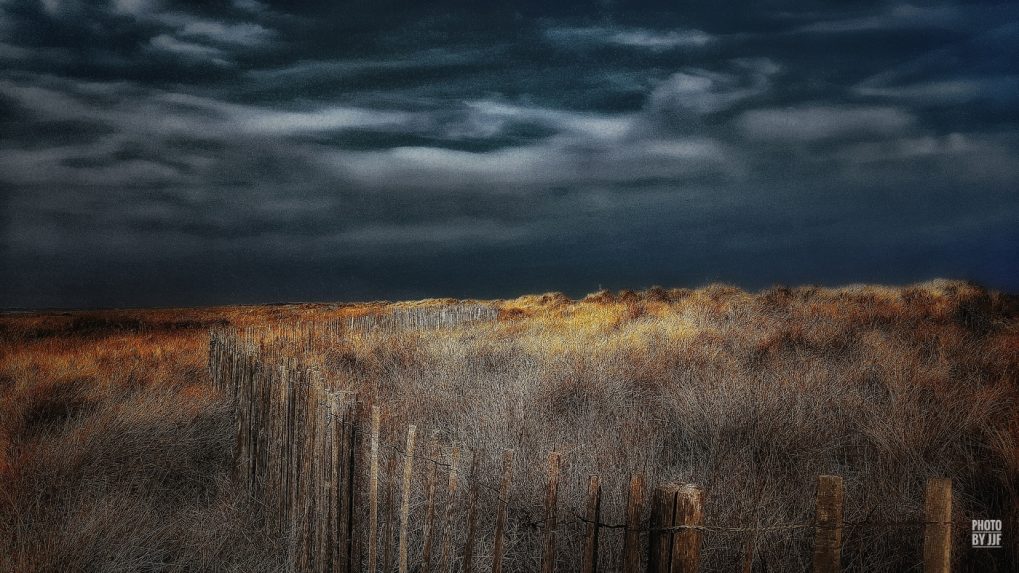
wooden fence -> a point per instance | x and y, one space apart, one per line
295 451
425 317
311 457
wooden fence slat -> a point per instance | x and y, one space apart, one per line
548 554
472 513
343 488
408 468
323 492
334 533
309 470
373 494
589 561
631 538
353 541
314 481
499 551
937 533
686 543
663 513
388 518
447 531
294 474
828 528
429 525
299 467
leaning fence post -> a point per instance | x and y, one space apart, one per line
548 556
686 542
634 509
500 521
408 468
663 512
589 562
828 524
937 534
373 494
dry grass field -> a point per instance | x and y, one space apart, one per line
115 453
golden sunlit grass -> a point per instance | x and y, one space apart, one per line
115 454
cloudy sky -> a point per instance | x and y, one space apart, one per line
182 152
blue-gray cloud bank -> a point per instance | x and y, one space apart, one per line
183 153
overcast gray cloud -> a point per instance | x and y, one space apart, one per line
641 38
822 122
165 152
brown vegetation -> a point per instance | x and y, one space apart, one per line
116 455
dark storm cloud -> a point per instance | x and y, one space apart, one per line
167 152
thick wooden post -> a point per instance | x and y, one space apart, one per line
472 514
828 525
589 560
346 520
373 494
500 520
447 531
937 534
548 554
408 468
429 526
631 538
686 542
663 513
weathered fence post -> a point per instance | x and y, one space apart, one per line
447 531
373 494
634 509
408 468
663 513
686 542
354 524
937 534
346 437
472 513
589 561
429 526
548 555
309 472
500 520
389 518
828 524
325 476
